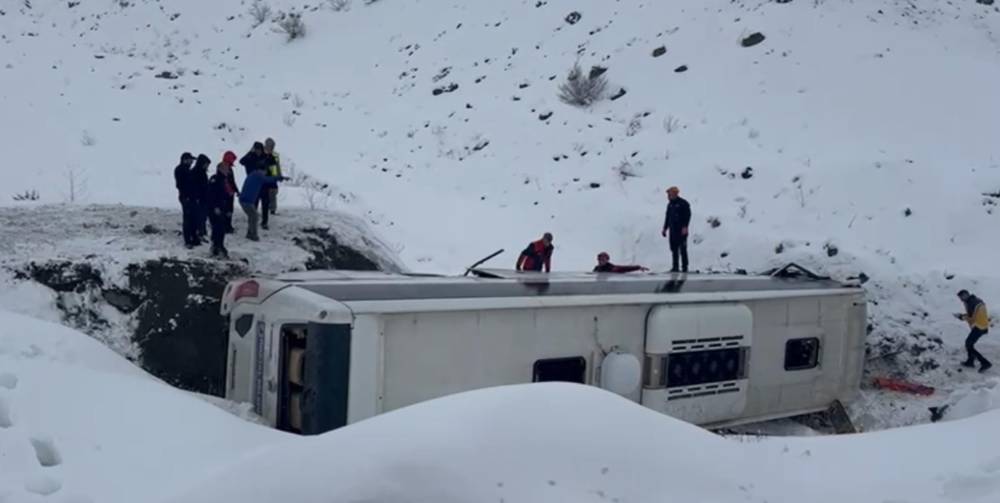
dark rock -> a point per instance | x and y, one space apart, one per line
747 173
985 2
573 17
329 254
907 212
63 276
150 229
681 69
122 300
753 39
831 250
450 88
545 116
714 222
619 94
181 334
780 248
863 278
597 71
166 75
659 51
595 185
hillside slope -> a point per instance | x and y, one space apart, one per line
869 129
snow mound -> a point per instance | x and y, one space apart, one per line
78 423
564 442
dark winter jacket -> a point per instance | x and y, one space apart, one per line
253 185
218 196
534 256
182 181
678 216
609 267
253 161
198 179
231 188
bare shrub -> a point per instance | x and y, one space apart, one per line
339 5
671 124
28 195
77 182
87 139
292 25
259 12
582 90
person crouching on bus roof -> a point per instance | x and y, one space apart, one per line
536 255
979 324
604 265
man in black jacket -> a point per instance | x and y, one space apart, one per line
199 191
676 224
217 203
182 179
255 159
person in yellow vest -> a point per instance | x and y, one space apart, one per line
273 170
979 324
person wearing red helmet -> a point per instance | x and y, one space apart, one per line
232 189
221 189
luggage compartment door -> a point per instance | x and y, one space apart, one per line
697 361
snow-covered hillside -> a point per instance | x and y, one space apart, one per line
868 129
79 424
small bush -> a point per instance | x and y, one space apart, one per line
28 195
293 26
340 5
259 12
582 90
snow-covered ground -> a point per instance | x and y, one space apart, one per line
79 424
857 138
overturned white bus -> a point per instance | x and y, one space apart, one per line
319 350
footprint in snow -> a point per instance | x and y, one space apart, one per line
46 452
43 485
5 418
8 381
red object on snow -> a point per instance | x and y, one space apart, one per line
903 386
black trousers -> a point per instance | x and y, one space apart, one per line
189 209
265 206
228 213
219 227
679 250
970 347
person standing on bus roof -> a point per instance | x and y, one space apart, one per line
676 224
536 255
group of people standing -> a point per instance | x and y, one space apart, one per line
211 199
537 256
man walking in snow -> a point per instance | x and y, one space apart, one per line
536 255
270 196
182 179
226 168
676 225
604 265
979 324
199 190
250 195
218 202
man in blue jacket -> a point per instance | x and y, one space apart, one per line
252 187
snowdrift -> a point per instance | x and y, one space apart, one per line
78 423
562 442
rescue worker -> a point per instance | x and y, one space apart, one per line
979 324
218 202
226 168
604 265
182 179
254 159
536 255
199 192
250 195
274 169
676 224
